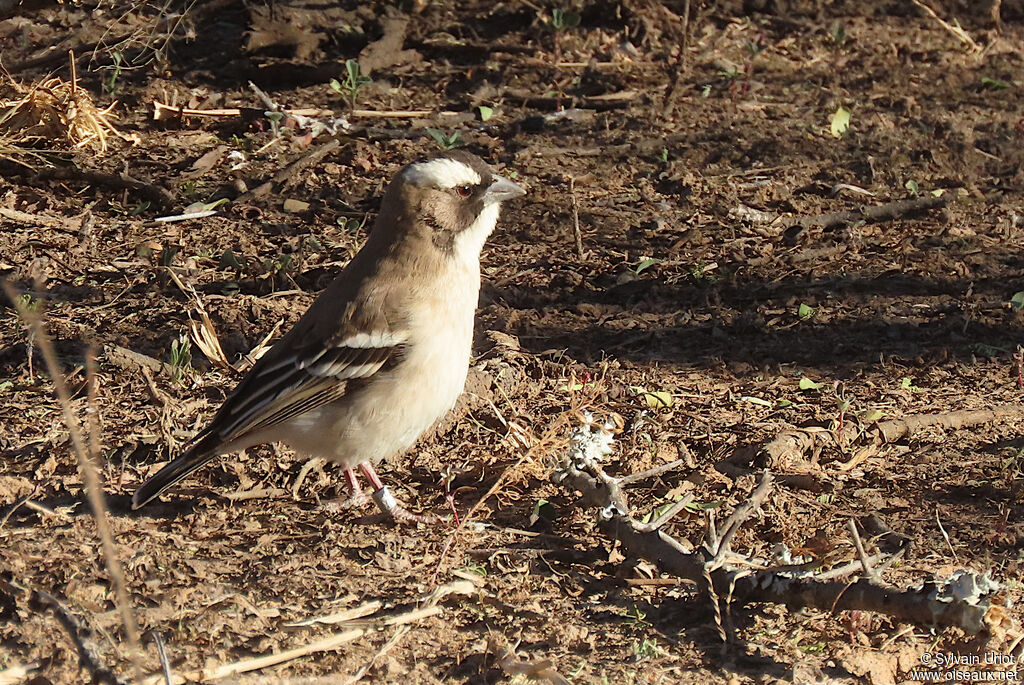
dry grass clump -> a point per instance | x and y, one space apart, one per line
50 114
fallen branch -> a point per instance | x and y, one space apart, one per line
88 657
162 112
886 212
357 616
286 174
151 191
796 444
956 29
88 472
963 600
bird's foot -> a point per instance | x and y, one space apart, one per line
391 509
356 500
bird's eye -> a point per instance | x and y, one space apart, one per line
464 191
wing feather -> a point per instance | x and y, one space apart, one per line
297 383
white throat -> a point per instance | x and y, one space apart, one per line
470 242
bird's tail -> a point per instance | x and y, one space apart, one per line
202 451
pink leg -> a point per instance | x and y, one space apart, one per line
357 497
353 482
387 503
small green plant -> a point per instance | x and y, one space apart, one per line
351 85
907 384
842 405
168 254
181 358
994 83
702 271
485 112
804 311
838 35
646 649
281 264
445 141
807 384
812 648
645 264
561 21
476 570
662 157
275 119
636 618
109 83
240 143
350 224
229 260
29 303
1017 301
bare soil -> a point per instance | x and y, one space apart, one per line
690 167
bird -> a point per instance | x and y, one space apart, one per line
383 352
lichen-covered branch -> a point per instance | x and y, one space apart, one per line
964 600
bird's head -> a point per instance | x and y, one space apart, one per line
452 198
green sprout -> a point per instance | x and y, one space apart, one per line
181 358
109 84
445 141
838 34
646 649
353 83
562 21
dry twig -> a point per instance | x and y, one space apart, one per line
88 657
885 212
285 175
793 445
963 600
87 470
577 234
954 29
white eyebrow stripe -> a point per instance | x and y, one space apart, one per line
442 173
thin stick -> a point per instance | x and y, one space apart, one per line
87 656
161 652
945 536
651 473
162 111
957 30
343 616
245 665
576 217
997 19
289 171
92 410
669 514
87 470
14 507
851 525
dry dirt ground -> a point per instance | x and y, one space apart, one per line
697 287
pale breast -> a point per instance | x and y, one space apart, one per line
386 415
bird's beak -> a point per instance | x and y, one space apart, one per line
502 189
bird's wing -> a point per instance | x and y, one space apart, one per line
303 376
338 341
